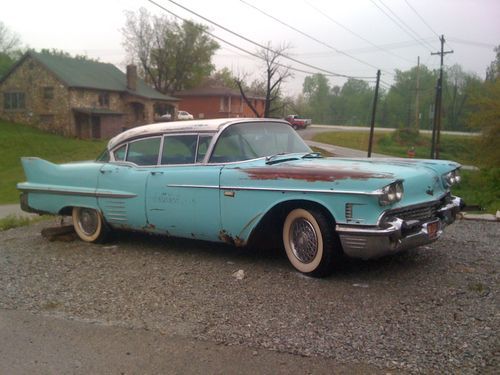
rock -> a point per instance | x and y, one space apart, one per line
239 275
360 285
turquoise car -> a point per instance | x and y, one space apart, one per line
248 181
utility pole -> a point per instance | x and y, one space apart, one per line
374 111
436 128
418 91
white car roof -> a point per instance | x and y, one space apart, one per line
190 126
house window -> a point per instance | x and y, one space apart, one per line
48 92
104 99
14 100
224 104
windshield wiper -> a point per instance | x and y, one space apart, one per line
312 155
271 159
274 156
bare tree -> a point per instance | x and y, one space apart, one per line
275 74
9 41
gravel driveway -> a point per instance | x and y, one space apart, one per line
433 309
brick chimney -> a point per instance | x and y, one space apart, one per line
132 77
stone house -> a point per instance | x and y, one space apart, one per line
75 97
218 102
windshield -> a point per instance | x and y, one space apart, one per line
254 140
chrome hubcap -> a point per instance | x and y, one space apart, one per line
303 240
88 221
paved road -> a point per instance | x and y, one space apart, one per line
53 345
12 209
366 128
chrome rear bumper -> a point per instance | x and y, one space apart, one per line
397 234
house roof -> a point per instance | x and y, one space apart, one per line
213 91
92 75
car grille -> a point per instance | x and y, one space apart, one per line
424 212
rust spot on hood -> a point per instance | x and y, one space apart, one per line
312 173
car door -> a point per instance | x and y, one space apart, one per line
182 197
122 183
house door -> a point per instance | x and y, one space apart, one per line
96 127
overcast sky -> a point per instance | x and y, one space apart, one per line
349 37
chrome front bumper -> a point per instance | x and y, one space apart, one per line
397 234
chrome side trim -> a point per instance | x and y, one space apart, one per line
96 194
394 227
193 186
253 188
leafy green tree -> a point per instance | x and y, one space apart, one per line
169 55
397 107
353 103
493 71
316 90
458 87
222 78
486 117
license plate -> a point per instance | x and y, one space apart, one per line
433 229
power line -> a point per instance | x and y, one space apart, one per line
252 42
395 45
472 43
421 18
309 36
403 22
328 73
398 24
381 48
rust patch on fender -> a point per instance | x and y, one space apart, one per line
312 173
236 241
149 227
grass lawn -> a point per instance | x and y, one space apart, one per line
453 147
21 140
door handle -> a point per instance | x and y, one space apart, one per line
155 173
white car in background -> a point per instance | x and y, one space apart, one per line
183 115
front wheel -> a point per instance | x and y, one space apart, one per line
310 242
89 224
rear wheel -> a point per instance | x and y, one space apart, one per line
89 224
310 242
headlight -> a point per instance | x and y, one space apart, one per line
451 178
391 193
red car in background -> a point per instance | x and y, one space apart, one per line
297 122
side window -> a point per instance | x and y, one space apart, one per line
104 157
144 151
227 149
203 143
120 153
179 149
